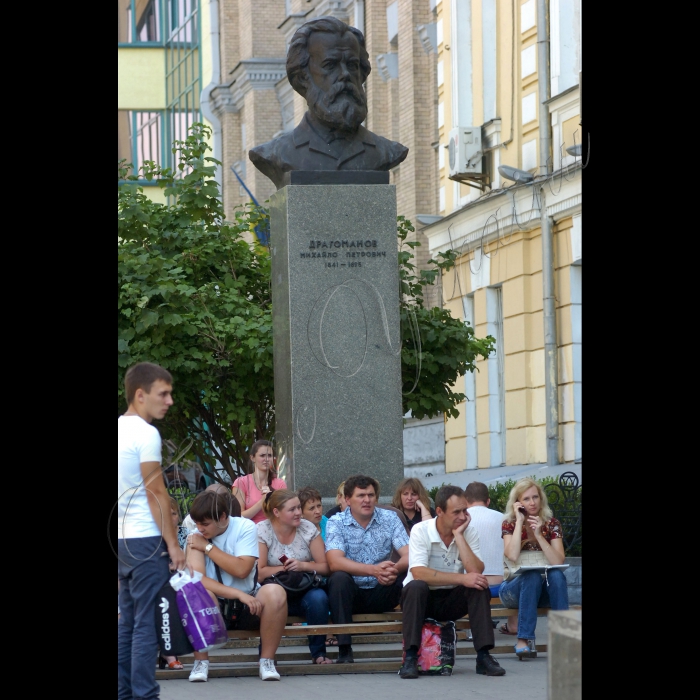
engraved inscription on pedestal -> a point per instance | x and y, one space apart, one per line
336 335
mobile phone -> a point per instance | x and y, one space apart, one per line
283 558
522 510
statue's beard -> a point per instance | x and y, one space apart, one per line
343 107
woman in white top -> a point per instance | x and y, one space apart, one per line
289 543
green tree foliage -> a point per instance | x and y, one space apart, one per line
194 296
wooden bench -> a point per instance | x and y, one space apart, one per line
377 647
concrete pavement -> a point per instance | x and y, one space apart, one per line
526 680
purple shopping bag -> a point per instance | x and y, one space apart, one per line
200 615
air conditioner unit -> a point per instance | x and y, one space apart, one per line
465 152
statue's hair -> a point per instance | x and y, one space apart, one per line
298 54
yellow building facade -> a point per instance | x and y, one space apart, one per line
503 102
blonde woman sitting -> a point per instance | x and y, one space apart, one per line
289 543
530 526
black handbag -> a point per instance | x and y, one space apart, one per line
172 638
296 583
231 608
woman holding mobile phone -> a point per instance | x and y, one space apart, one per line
530 525
289 543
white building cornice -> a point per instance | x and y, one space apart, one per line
254 74
340 9
291 23
505 212
221 101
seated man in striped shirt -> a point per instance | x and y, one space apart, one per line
445 581
359 544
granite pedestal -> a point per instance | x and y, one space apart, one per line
565 652
337 353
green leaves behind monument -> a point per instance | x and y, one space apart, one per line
194 296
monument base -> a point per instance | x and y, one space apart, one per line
564 662
337 353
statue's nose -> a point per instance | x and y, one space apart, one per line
344 72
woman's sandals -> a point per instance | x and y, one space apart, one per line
322 660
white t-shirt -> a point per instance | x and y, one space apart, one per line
137 442
488 524
239 539
426 548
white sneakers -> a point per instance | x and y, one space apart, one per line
200 672
267 670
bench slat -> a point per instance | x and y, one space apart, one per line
362 624
303 631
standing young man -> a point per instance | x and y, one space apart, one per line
147 539
445 581
359 543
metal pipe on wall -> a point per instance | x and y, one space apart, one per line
549 310
205 96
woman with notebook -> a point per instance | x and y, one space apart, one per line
530 526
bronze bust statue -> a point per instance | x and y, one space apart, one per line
327 63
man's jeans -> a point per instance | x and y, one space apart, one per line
143 569
314 606
530 591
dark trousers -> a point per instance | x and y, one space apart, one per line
143 570
419 602
346 597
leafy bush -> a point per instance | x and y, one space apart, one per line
184 497
434 490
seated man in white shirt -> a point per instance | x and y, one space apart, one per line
445 581
488 524
231 544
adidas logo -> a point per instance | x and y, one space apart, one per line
164 605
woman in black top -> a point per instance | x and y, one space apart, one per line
412 499
340 500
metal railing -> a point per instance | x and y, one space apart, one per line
565 501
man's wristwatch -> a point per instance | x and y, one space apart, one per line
207 549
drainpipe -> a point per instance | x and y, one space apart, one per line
551 359
360 15
204 98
